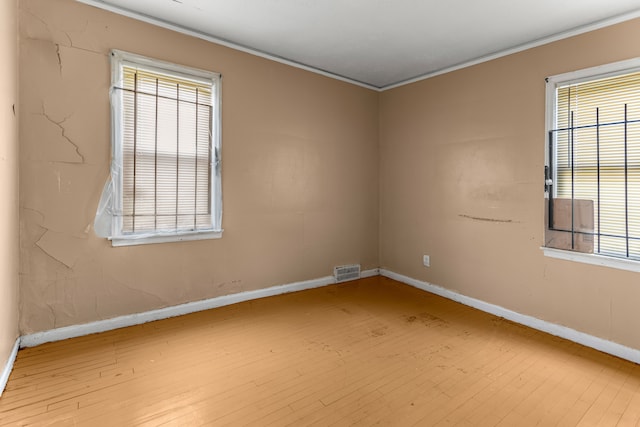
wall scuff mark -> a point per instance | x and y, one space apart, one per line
478 218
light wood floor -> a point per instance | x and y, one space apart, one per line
370 352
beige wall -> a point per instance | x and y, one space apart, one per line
461 179
459 166
300 167
9 224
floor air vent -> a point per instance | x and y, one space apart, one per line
345 273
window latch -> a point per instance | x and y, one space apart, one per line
548 182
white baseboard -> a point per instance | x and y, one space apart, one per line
73 331
66 332
369 273
6 371
600 344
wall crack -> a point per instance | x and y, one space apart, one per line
138 290
63 132
49 254
36 17
39 213
59 58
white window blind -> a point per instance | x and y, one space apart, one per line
595 162
166 153
165 167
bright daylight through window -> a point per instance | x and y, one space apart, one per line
593 161
165 173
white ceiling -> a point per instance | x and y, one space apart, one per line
379 43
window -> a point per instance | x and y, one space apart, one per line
593 161
165 174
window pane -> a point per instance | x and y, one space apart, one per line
597 157
166 153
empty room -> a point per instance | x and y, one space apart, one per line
298 213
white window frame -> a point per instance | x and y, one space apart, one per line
118 60
552 84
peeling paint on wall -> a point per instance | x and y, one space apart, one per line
61 247
316 139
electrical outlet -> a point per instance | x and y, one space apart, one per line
426 261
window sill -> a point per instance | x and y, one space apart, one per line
604 261
164 238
